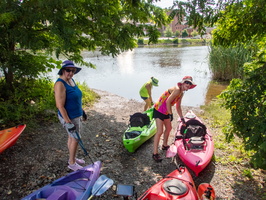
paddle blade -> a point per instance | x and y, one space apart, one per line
172 151
102 184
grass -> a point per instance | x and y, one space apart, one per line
233 152
89 97
227 63
232 155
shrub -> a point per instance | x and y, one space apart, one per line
246 99
140 41
175 41
33 102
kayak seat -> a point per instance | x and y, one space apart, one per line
175 187
196 140
132 134
61 193
196 143
58 194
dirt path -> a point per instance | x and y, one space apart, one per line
40 156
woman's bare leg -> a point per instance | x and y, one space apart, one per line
159 132
168 128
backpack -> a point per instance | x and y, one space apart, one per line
194 128
139 120
194 131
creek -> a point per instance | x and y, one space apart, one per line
125 74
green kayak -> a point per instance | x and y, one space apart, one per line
141 128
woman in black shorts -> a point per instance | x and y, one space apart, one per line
163 112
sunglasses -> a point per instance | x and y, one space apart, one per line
187 82
71 70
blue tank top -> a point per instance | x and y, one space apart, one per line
73 104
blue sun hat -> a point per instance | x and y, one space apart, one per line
68 63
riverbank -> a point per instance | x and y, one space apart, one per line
40 156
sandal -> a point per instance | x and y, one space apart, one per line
165 148
157 157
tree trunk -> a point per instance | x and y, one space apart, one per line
9 77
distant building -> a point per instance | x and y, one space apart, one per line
176 26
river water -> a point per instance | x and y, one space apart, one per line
126 73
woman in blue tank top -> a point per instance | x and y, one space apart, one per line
68 98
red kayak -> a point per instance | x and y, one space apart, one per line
9 137
177 185
193 144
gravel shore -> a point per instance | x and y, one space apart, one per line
40 156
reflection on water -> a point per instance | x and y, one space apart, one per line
126 73
214 89
125 62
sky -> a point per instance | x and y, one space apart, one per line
164 3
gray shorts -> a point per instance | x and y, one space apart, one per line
76 122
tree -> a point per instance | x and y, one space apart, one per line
184 33
238 22
241 22
194 33
35 33
247 101
168 32
177 33
198 13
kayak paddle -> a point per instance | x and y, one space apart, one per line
81 143
82 146
102 184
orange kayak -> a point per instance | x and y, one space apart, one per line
206 191
8 137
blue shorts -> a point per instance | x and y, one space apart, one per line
161 116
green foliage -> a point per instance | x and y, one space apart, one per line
246 99
217 113
198 13
175 41
140 41
220 117
238 22
247 173
89 97
177 33
184 33
185 41
32 100
65 28
227 63
168 32
241 22
194 33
